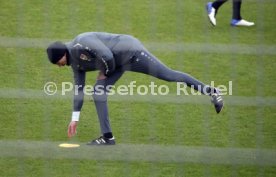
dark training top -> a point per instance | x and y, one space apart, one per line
98 51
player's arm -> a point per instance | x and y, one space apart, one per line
79 78
103 55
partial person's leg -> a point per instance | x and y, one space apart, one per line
212 9
100 100
236 18
237 9
217 4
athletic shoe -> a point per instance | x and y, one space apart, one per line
241 22
102 141
216 99
211 13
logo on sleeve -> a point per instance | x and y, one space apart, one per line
84 57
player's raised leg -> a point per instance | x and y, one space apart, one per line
145 62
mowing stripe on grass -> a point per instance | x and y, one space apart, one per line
173 47
139 152
170 98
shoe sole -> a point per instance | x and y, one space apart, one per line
211 22
90 144
234 25
220 109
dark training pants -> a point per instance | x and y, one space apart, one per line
142 62
236 7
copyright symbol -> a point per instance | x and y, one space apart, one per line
50 88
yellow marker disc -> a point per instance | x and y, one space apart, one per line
66 145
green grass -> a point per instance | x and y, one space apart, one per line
157 123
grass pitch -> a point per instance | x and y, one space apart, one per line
238 142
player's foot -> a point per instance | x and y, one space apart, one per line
102 141
211 11
216 99
241 22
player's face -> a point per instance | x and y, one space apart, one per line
62 61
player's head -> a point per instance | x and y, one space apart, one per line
56 52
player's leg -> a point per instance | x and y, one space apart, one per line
236 9
145 62
236 17
212 9
216 4
100 100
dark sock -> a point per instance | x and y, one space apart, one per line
237 9
108 135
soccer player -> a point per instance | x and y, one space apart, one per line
237 20
112 55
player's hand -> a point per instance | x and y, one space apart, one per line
72 128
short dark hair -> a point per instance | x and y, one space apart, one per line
56 51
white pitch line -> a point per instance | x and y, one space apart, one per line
260 49
170 98
140 153
214 48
